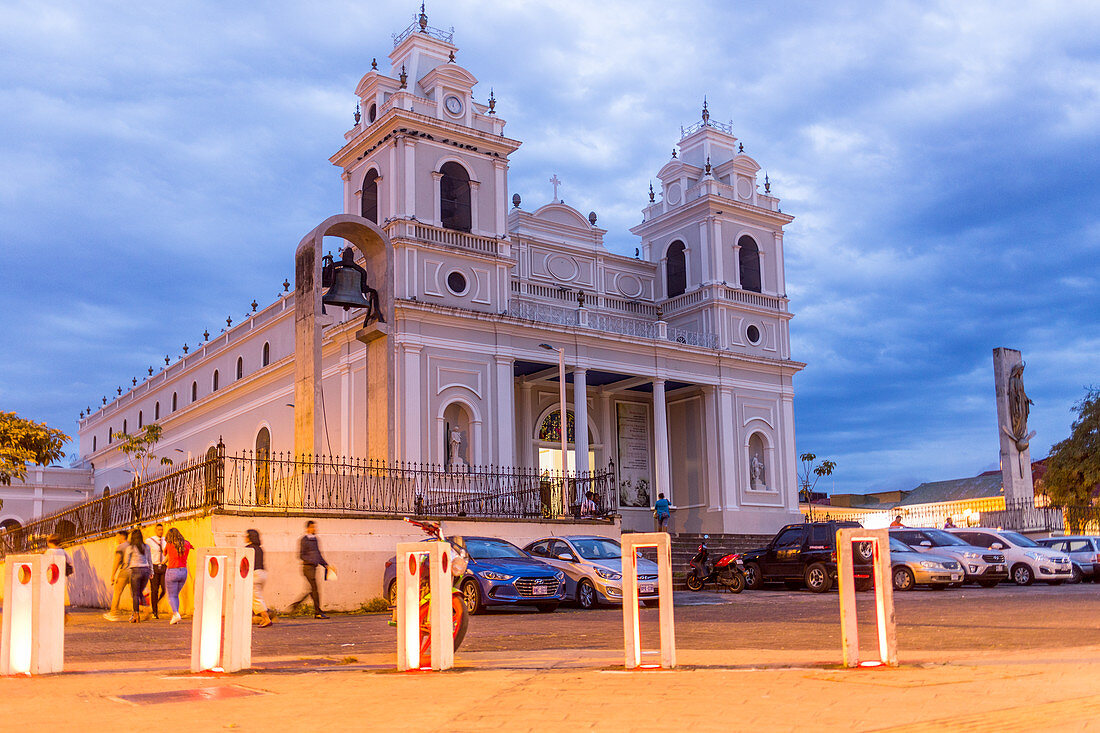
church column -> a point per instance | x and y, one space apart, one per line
607 429
710 449
412 417
500 169
526 427
727 448
737 266
660 441
437 209
580 419
474 206
781 276
410 176
505 410
717 249
704 253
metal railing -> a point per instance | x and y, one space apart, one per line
283 484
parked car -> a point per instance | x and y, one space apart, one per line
805 555
1082 550
1026 558
979 564
910 568
497 573
593 568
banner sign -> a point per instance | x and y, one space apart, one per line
634 454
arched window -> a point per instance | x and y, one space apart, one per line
212 474
141 420
454 197
194 391
748 259
110 435
214 382
174 402
94 444
263 466
156 411
240 367
124 427
675 269
266 358
550 430
370 196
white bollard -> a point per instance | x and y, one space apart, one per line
884 595
34 615
221 631
440 612
630 542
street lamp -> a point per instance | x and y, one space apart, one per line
564 451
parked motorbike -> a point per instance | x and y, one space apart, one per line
728 572
461 619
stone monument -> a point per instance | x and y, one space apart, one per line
1013 407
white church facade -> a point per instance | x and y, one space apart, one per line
677 360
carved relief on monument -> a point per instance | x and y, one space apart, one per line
1019 406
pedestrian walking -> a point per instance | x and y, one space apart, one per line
661 513
156 545
175 555
136 558
309 552
53 547
120 574
259 578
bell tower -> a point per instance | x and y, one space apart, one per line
716 236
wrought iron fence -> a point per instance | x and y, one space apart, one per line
282 483
1026 516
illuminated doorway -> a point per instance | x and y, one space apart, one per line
548 444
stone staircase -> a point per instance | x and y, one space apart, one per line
685 544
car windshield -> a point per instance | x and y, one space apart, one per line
482 549
1019 540
598 549
943 538
897 545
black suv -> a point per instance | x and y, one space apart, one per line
805 555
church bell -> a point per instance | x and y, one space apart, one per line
346 289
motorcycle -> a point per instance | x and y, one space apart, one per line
728 572
461 619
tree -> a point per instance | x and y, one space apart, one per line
25 441
139 449
809 474
1073 467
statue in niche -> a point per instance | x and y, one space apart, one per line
756 472
1019 407
455 443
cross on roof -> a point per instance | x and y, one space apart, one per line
555 181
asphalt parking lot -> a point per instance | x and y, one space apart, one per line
969 618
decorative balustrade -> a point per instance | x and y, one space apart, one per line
622 325
542 312
693 338
455 238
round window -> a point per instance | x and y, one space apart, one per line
753 333
456 283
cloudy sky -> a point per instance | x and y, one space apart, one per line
159 164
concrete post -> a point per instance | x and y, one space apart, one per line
33 628
221 630
631 628
884 595
1015 439
440 613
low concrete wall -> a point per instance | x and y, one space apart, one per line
357 547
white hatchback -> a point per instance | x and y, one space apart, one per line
1027 560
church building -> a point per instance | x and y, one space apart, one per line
677 360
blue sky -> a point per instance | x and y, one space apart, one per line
161 162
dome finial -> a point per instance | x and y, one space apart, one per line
492 102
423 19
404 76
767 184
357 115
374 64
651 195
706 112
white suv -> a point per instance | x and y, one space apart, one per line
1027 559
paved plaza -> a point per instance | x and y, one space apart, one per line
1004 659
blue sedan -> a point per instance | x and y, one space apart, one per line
498 573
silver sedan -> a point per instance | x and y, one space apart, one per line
593 568
910 568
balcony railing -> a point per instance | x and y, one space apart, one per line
282 484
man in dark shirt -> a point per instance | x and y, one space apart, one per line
310 554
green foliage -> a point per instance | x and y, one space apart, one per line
139 449
375 605
25 441
1073 467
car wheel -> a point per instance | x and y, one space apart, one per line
391 593
989 583
471 597
1022 575
1077 576
903 579
754 578
817 578
586 595
547 607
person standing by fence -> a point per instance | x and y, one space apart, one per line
259 578
156 558
136 559
120 575
175 554
309 552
